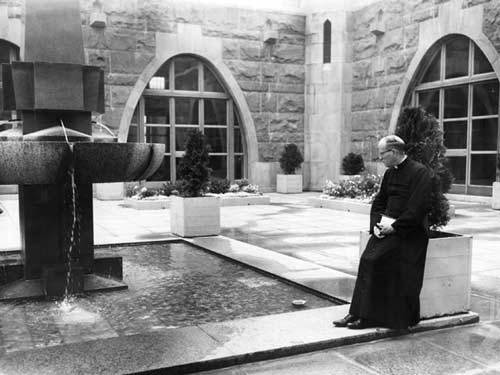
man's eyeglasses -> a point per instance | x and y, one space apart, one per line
381 154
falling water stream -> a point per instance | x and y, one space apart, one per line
67 300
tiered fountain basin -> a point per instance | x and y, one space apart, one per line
46 162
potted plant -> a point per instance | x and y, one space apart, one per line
191 212
352 165
290 160
447 275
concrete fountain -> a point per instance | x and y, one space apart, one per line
56 158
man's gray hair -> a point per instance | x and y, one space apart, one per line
393 142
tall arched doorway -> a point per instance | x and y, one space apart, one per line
458 85
186 93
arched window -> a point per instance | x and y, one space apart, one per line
184 94
327 42
8 53
457 84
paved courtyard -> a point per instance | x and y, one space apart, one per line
329 238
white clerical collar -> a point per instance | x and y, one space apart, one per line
397 166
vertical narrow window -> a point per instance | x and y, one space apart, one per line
327 42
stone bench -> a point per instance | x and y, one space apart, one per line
447 275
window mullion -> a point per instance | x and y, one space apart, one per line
469 138
173 172
141 127
230 140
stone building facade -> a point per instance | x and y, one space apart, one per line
278 85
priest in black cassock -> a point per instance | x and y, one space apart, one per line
391 268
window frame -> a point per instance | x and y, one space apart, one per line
469 80
201 95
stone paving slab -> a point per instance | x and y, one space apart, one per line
204 347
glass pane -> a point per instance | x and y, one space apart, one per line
180 137
163 173
457 168
429 100
432 73
483 169
186 73
210 82
457 57
485 99
186 111
217 139
455 102
236 118
484 134
132 134
481 64
455 134
238 144
215 112
177 163
156 134
160 79
218 165
238 166
156 110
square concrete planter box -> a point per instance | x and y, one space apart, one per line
289 183
192 217
249 200
350 205
495 197
147 204
447 274
112 191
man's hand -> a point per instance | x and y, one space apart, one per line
385 229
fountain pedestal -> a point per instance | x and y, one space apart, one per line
56 95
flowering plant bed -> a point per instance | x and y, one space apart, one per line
242 199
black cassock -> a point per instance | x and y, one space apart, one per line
391 269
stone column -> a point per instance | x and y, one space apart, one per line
327 107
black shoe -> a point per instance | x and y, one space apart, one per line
361 324
345 320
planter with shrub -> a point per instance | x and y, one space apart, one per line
192 213
290 160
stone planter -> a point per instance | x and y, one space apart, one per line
192 217
147 204
495 196
447 276
112 191
342 204
350 205
289 183
249 200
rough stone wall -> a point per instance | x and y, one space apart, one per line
271 76
379 63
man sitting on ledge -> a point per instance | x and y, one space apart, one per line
391 269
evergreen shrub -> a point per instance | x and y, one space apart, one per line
291 158
424 143
353 164
194 172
